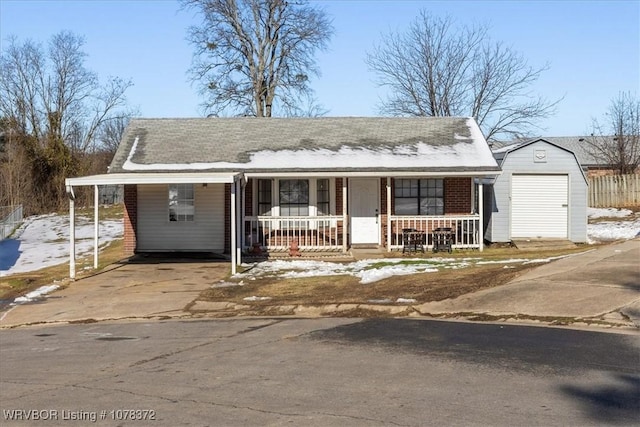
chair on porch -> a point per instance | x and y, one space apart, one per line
413 240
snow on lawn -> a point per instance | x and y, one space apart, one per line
627 227
368 271
43 241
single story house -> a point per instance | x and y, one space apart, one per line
246 184
541 194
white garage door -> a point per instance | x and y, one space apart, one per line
539 206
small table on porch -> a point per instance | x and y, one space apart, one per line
413 240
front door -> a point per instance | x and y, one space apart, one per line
363 206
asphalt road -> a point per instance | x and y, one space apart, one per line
317 372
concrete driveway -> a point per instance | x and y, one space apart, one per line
147 290
598 285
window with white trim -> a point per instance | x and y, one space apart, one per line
294 197
264 197
323 198
181 202
419 196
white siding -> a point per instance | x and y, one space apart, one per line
157 233
539 206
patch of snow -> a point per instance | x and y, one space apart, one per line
223 284
38 293
43 241
379 301
613 230
405 300
255 298
608 213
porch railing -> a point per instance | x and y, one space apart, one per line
319 233
466 230
10 218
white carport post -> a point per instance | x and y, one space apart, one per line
95 226
72 235
388 214
345 226
480 215
233 227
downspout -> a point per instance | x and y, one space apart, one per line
242 183
72 233
233 227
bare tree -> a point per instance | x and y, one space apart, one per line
616 142
436 69
251 54
54 108
110 134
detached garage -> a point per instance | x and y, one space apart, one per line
541 194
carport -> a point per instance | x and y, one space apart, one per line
235 179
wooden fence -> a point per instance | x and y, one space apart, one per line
614 191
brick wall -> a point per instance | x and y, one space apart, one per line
248 198
457 195
130 218
339 206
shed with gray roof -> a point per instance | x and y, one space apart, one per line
541 194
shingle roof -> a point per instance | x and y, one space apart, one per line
303 144
571 143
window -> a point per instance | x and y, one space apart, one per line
323 197
419 196
294 197
181 202
264 197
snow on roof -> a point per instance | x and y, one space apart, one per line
296 144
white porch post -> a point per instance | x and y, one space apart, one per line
388 214
96 226
72 238
233 227
480 216
240 225
345 225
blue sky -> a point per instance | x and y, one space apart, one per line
592 48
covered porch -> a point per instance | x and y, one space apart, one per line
365 211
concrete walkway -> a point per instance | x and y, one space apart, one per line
598 288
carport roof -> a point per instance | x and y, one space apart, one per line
153 178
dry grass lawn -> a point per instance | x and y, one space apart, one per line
423 287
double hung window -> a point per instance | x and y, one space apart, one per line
181 202
264 197
294 197
419 196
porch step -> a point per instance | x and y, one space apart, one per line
359 253
543 244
